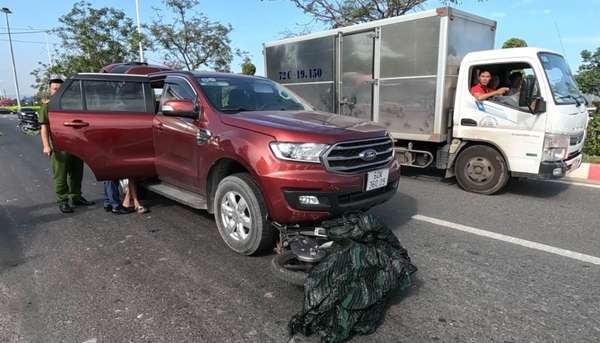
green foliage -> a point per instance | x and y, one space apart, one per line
339 13
248 68
191 40
592 142
588 81
591 159
588 75
514 43
14 107
91 38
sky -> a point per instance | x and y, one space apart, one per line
567 27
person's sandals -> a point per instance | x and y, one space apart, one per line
141 210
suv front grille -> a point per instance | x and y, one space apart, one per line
348 157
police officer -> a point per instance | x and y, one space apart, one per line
67 169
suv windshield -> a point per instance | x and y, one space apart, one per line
232 94
564 88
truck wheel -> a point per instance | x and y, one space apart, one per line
481 169
241 215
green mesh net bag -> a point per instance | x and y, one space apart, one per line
345 294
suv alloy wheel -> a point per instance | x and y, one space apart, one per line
241 215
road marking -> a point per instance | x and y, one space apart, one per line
590 185
518 241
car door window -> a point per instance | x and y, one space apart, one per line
114 96
157 91
176 89
71 98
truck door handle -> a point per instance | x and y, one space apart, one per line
468 122
76 123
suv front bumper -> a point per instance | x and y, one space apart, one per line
337 193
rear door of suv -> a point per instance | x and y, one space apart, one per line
106 120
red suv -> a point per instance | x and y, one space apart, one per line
244 148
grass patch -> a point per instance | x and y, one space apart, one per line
14 108
591 159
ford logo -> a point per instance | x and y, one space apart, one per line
368 155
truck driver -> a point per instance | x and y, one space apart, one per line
482 92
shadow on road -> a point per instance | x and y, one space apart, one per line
396 212
11 251
535 188
517 186
15 220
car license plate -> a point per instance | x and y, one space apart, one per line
377 179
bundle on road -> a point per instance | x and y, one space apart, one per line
345 294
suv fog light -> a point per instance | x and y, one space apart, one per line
557 172
308 200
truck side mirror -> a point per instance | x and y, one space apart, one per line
181 108
537 106
526 95
529 97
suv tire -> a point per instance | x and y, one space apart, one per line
241 215
481 169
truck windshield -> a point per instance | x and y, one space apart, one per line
563 86
238 94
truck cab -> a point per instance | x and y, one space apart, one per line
243 148
538 127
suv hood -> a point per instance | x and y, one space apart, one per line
304 126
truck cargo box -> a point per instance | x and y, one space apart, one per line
400 72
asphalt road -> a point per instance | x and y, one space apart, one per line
167 277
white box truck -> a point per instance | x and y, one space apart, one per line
414 73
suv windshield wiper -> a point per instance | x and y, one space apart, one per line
235 109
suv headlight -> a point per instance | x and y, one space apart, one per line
555 147
300 152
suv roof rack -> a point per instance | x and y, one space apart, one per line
140 68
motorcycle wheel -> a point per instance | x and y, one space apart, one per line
286 267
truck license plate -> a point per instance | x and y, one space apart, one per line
377 179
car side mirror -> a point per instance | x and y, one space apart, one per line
181 108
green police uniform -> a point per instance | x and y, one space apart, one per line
67 170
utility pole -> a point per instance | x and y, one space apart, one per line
12 55
139 28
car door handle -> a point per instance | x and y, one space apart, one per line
76 123
159 126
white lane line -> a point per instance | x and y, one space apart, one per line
518 241
590 185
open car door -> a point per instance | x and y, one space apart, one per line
106 120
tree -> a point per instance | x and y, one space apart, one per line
339 13
514 43
91 38
588 74
191 40
248 68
